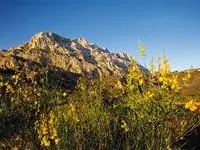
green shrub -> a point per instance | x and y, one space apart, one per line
142 111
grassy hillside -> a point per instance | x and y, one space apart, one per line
138 111
45 105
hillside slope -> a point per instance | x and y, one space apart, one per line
193 87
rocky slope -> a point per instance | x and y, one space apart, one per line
76 56
193 87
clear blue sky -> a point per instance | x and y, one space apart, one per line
170 25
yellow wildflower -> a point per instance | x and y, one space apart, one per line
53 133
124 126
57 141
148 95
174 83
142 49
14 76
45 141
71 107
161 79
190 105
118 85
64 94
141 81
44 130
131 87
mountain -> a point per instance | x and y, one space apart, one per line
68 57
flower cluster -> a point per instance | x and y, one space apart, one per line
191 105
47 130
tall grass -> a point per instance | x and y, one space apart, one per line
140 111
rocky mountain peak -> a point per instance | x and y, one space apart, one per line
82 41
70 55
47 40
41 36
41 39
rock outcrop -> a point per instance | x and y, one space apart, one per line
71 55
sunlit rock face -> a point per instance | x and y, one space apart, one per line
72 55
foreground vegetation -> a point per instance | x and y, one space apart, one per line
139 111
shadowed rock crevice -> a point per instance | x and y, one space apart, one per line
56 75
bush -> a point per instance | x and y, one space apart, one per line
140 111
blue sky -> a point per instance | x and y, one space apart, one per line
170 25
